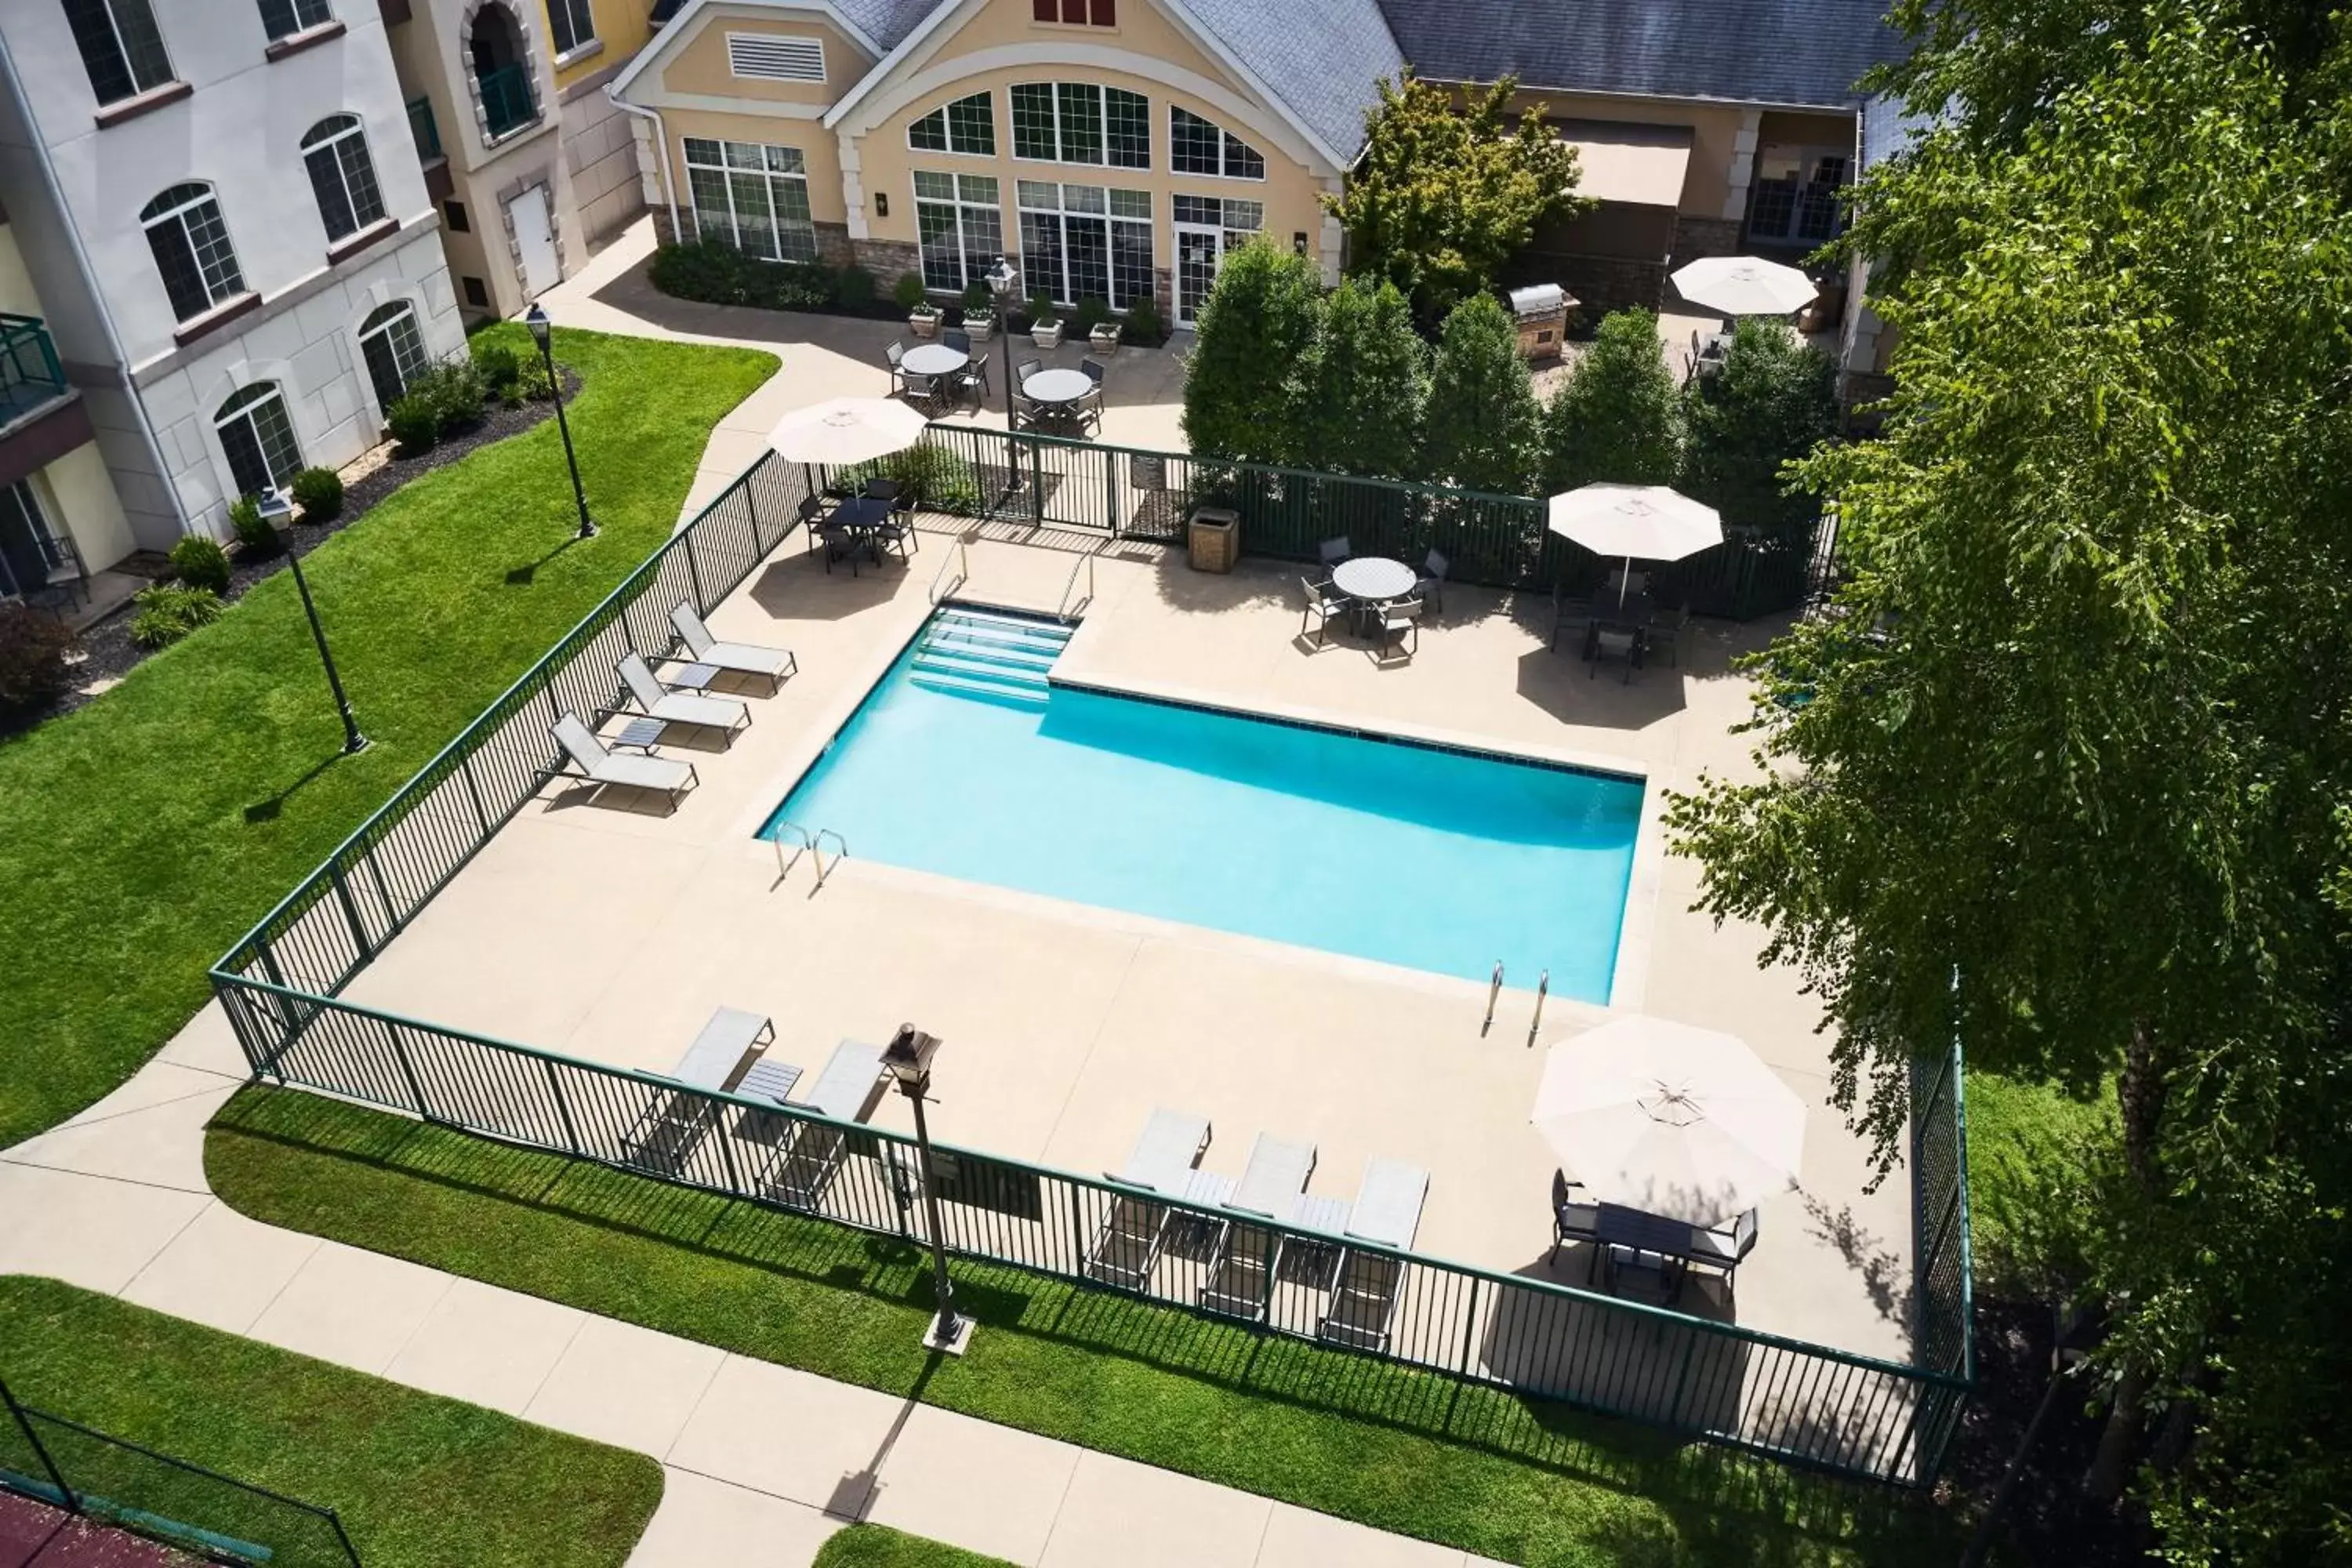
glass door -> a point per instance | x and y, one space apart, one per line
1198 251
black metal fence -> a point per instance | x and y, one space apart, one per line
113 1481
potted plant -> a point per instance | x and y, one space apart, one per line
1093 318
978 312
923 316
1045 326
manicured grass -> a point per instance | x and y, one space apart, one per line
2015 1130
1525 1482
877 1546
129 817
419 1481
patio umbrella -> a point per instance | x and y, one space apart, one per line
845 431
1745 286
1648 522
1670 1119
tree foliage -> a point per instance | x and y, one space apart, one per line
2071 777
1618 419
1364 387
1443 198
1482 428
1257 325
1772 402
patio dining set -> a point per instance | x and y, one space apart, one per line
879 516
946 376
1382 599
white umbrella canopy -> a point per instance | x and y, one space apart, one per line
846 430
1746 286
1646 523
1670 1119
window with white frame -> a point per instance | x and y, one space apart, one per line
1080 122
121 48
284 18
752 197
394 351
191 249
1794 199
1240 220
959 227
570 26
259 440
342 177
967 126
765 57
1082 242
1198 146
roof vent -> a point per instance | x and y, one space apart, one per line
766 58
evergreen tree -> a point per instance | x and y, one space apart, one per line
1619 419
1257 326
1483 417
1772 402
1363 389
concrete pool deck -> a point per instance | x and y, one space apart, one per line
603 933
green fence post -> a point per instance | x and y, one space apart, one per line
1470 1324
562 1107
466 766
348 1549
350 910
40 1449
694 572
408 1072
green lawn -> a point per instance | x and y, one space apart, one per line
128 818
1471 1467
418 1480
877 1546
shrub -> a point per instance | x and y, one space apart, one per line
260 540
976 297
532 382
319 493
937 478
853 289
1143 323
32 659
1041 309
1089 313
1619 419
1483 419
453 391
1363 388
168 612
908 293
1257 327
721 275
415 423
1772 401
200 562
498 365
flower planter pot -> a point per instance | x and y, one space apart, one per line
981 328
1104 341
923 323
1047 334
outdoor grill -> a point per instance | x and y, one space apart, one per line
1541 310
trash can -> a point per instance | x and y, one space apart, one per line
1213 538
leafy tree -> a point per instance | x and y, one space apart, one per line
1482 426
1443 198
1774 400
1363 388
2071 783
1618 418
1241 391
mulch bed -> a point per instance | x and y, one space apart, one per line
112 654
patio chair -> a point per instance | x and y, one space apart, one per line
1618 641
746 659
1332 551
799 1174
1025 369
1722 1248
1570 614
1086 415
1399 630
1126 1243
1622 584
1322 608
668 1128
1430 588
1094 369
900 382
957 339
657 702
879 489
1241 1272
600 767
1665 637
1574 1217
972 384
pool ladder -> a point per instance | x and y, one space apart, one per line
1494 990
809 844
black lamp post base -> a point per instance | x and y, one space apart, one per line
951 1341
587 529
354 743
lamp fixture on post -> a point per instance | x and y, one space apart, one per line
1004 281
277 512
542 332
907 1059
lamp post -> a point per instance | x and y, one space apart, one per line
278 512
542 332
909 1060
1004 282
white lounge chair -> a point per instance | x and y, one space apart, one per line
601 767
748 659
657 701
1241 1276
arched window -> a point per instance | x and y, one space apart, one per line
284 18
501 71
258 439
191 249
394 350
1196 146
341 175
968 126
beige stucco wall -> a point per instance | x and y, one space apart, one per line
699 65
818 145
622 27
80 494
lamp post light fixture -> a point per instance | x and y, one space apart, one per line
542 332
907 1059
1003 280
278 512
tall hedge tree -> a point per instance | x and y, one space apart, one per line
1483 416
1618 419
1364 388
1774 399
1256 329
2072 783
1443 198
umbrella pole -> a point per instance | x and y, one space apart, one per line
1623 578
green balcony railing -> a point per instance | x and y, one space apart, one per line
506 98
422 127
29 373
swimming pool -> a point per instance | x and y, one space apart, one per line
964 760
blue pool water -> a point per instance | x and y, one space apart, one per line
962 762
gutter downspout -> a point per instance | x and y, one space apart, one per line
661 163
97 295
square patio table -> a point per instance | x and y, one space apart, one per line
693 676
640 733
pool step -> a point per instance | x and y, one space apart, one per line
976 653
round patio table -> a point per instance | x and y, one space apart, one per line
933 359
1373 578
1055 385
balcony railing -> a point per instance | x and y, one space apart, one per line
506 98
29 373
421 127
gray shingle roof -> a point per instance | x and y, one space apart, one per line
1320 57
1795 52
886 22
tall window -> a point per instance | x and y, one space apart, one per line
1796 195
752 197
962 231
1240 221
120 47
968 125
1196 146
259 440
284 18
192 250
1096 13
394 350
342 176
1079 123
569 24
1080 242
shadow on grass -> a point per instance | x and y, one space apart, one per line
269 809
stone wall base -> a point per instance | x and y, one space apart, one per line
888 261
1697 236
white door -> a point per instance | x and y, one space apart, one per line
535 239
1198 253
